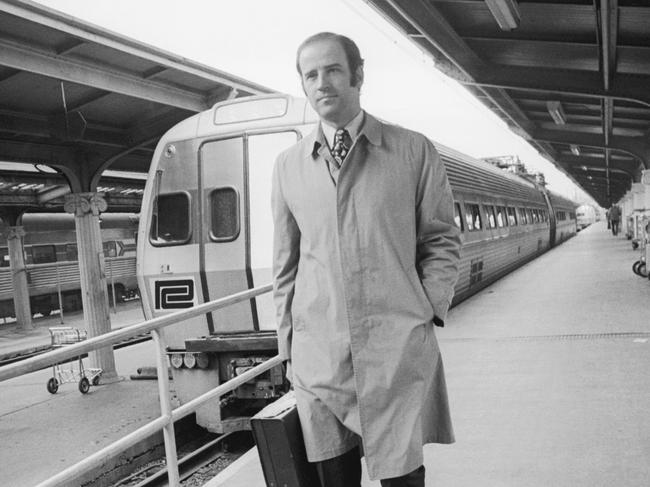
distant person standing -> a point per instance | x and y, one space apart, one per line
365 262
614 218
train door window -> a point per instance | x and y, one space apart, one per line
170 222
262 151
110 249
4 257
491 217
512 216
224 205
71 252
502 219
473 216
457 217
42 254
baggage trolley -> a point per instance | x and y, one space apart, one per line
64 373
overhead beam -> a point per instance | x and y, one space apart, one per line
48 154
636 146
627 87
574 162
67 24
43 62
48 127
424 18
608 39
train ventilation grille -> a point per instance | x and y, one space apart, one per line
476 271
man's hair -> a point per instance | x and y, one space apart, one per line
349 47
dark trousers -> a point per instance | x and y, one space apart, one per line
614 227
345 471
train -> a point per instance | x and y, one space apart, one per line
206 232
585 216
50 250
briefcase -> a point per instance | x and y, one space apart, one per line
281 447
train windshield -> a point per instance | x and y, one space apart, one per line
246 111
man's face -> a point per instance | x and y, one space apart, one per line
326 81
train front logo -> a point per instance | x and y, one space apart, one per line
174 294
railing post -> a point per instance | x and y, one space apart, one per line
173 476
58 290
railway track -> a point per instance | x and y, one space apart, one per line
199 462
41 350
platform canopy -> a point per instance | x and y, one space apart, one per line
572 77
82 99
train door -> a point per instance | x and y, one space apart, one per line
551 220
237 228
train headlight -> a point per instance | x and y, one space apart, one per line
170 150
189 359
177 360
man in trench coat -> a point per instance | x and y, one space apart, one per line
365 263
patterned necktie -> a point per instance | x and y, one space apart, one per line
342 143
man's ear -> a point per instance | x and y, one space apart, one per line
359 77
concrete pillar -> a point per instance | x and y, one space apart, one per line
86 208
15 239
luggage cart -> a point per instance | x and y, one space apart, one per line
63 373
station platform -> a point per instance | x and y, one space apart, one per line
15 341
43 433
548 373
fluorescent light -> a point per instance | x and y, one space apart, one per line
575 150
505 12
556 111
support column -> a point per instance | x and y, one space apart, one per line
15 239
86 208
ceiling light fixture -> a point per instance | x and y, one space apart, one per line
505 12
556 111
575 149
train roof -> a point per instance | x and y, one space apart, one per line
279 110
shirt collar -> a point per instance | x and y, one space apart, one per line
371 130
353 127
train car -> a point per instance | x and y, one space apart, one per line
50 249
565 216
206 232
585 216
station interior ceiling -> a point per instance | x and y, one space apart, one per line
81 99
569 76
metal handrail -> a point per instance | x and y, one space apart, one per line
73 351
165 421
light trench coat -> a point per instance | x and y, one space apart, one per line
360 269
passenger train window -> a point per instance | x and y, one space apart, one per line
492 219
170 222
473 216
4 257
224 205
529 214
523 218
457 218
42 254
512 216
71 252
501 217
